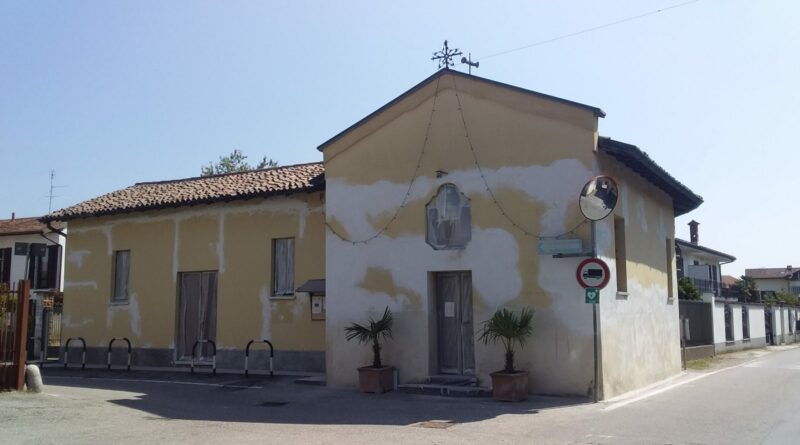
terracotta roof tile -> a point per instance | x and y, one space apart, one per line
770 272
198 190
24 226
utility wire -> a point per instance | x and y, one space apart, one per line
587 30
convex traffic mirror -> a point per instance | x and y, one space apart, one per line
598 198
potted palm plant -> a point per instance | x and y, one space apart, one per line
376 378
509 328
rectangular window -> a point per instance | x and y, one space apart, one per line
43 265
670 273
283 266
122 266
5 265
620 253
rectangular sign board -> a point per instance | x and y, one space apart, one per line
553 246
592 295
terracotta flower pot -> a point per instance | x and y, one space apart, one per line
375 380
510 387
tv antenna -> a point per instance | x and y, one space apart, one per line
52 189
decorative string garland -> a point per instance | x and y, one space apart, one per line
410 184
421 155
486 183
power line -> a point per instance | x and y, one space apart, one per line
587 30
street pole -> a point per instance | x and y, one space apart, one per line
594 323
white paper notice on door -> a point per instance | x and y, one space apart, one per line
449 309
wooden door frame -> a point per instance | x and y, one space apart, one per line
434 321
176 359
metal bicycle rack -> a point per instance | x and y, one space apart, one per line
66 352
247 356
213 357
108 357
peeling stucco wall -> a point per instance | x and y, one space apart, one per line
535 155
233 239
640 330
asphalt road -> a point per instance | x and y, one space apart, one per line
756 399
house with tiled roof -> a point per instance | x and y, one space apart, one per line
771 280
31 250
435 206
214 258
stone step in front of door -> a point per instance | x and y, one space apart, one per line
452 380
445 390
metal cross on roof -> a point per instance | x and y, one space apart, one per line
445 56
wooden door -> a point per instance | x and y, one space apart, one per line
456 344
197 313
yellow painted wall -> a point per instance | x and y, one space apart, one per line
536 155
232 238
639 329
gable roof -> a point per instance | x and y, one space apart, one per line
597 112
24 226
688 246
771 272
683 199
199 190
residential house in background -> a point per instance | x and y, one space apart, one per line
170 263
30 250
769 282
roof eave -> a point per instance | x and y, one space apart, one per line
684 199
313 188
708 250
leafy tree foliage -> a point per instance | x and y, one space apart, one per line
686 289
235 162
782 297
509 328
372 332
746 286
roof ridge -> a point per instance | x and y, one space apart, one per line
219 175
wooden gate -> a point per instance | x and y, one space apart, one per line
14 302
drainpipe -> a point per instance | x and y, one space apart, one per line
54 230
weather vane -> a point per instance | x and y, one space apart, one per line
445 56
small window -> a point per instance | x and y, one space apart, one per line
5 265
620 254
122 266
283 266
670 273
43 266
449 219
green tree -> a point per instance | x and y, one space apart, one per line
372 332
782 297
509 328
746 286
235 162
686 289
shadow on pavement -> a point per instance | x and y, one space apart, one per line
232 398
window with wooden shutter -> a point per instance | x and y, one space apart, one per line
283 266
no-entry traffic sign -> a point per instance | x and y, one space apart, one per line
593 272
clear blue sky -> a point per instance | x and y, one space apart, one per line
109 94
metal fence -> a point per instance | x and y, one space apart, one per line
14 301
697 323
